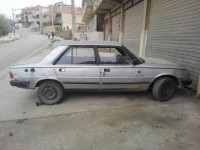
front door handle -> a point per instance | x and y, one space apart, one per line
106 70
61 69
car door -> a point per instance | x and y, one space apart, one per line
117 69
77 68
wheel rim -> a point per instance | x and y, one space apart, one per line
50 92
166 89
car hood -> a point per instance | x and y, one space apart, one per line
156 62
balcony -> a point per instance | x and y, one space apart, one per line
30 19
58 11
87 10
104 6
37 12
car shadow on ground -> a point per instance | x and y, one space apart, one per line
73 97
179 94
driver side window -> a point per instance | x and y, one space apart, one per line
113 56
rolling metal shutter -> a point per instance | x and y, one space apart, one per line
132 27
115 28
174 33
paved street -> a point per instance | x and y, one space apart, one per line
13 51
90 120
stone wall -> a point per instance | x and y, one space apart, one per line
48 28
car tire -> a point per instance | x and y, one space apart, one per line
163 89
50 93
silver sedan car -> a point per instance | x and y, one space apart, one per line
98 66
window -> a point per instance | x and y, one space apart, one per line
128 4
113 56
78 55
83 55
66 58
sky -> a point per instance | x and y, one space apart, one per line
7 5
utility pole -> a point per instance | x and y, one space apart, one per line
41 20
52 15
73 19
13 21
13 16
61 15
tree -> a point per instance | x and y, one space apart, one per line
44 24
5 25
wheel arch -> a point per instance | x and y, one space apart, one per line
164 76
45 80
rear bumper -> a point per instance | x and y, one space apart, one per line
186 82
22 84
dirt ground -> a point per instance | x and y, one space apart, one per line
140 125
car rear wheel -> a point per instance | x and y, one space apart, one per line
50 92
163 89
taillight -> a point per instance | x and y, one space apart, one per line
11 75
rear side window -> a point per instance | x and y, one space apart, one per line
78 55
66 58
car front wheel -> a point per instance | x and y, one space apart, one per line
50 92
163 89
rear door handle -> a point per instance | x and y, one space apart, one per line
61 69
106 70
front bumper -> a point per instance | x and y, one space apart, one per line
22 84
186 82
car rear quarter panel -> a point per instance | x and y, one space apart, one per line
34 77
42 74
20 74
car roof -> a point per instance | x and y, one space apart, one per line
97 43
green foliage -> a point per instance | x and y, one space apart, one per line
5 25
70 35
67 35
58 28
44 24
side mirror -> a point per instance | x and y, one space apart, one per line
134 61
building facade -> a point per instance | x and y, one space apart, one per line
64 17
93 21
34 16
18 18
26 15
167 29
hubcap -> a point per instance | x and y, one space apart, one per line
166 89
50 92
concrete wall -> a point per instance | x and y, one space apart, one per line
48 28
89 36
78 19
67 20
95 36
92 24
